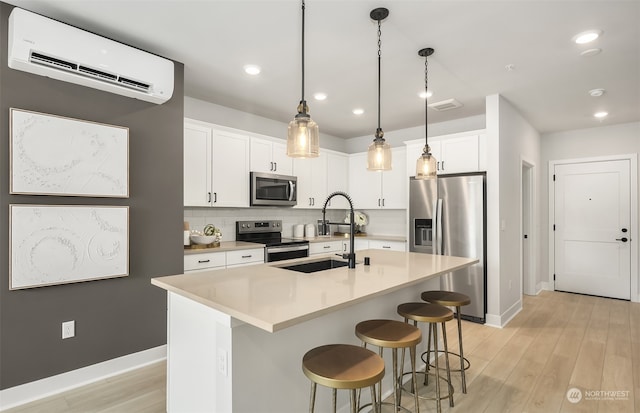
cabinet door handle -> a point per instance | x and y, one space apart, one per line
275 166
208 197
215 197
271 167
378 201
344 247
623 239
203 261
443 165
247 256
386 246
313 202
438 165
382 201
327 246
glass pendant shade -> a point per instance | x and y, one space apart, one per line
379 156
303 138
426 166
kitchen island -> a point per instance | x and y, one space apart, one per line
236 337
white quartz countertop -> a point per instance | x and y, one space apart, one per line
273 298
225 246
334 237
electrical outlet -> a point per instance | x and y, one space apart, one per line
68 329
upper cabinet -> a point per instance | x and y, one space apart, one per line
374 189
312 180
337 179
269 156
216 166
461 152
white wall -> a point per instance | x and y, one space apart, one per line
397 137
510 140
606 140
232 118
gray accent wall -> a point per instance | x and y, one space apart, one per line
113 317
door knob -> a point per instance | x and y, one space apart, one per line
623 239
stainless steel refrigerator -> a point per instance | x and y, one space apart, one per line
447 216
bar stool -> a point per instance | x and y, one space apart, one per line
452 299
342 366
392 334
432 314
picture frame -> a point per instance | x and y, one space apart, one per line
61 244
56 155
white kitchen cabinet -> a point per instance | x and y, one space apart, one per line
460 152
376 189
197 165
271 157
337 179
216 166
239 258
324 247
376 244
312 181
360 244
205 261
220 260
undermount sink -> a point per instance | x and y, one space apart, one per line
315 266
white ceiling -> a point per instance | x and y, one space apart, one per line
473 42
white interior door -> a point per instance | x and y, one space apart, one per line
592 228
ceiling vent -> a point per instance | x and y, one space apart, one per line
445 105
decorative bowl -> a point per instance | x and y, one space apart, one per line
203 239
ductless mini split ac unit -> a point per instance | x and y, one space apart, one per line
50 48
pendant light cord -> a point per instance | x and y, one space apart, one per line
302 99
426 104
379 64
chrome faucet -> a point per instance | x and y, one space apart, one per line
351 256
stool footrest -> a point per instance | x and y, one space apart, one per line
467 363
443 397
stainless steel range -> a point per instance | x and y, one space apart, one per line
269 233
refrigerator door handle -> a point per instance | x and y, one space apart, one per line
439 241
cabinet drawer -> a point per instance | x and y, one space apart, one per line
254 255
322 247
204 261
387 245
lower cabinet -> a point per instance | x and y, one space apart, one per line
221 260
325 247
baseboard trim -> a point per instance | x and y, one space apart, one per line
499 321
28 392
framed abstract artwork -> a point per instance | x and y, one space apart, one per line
59 244
54 155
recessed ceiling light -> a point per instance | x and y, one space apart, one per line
425 95
590 52
320 96
600 115
587 37
596 92
252 69
358 111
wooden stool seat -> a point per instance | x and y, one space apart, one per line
394 335
388 333
452 299
446 298
425 312
342 366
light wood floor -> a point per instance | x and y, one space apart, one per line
559 341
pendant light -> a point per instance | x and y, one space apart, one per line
426 164
303 137
379 153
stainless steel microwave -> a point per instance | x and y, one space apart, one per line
273 190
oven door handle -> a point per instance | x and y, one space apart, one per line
287 249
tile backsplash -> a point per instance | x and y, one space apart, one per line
381 222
